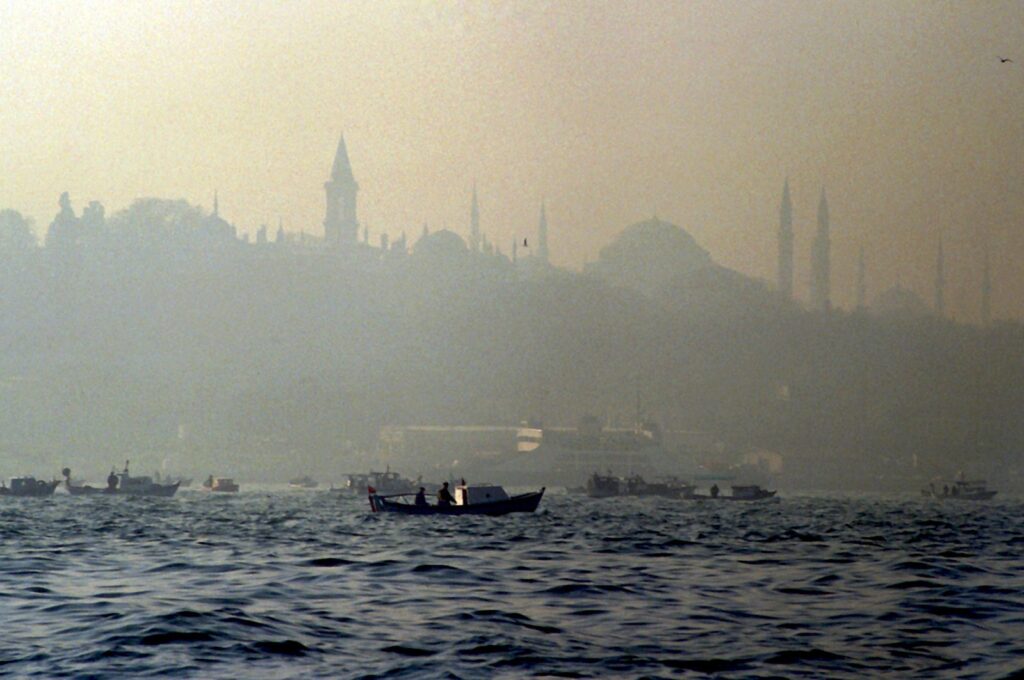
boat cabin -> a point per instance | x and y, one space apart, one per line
224 484
472 495
25 484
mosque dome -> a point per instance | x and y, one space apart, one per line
444 243
648 255
900 300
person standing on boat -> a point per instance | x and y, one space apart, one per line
421 496
444 496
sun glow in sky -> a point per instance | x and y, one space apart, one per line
611 112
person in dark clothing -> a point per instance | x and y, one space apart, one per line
421 496
714 491
444 496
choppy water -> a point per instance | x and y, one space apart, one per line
305 584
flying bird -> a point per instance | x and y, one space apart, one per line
1003 60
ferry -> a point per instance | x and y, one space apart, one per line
569 455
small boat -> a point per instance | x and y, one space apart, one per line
749 492
304 482
122 484
469 500
607 486
183 482
961 490
85 489
221 484
28 487
142 486
386 483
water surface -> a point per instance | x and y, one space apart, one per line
298 584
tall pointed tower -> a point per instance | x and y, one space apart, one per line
986 290
542 234
785 265
474 223
862 284
341 228
821 263
940 282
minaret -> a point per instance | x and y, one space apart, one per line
785 267
542 235
216 204
821 265
474 223
862 286
940 282
341 228
986 290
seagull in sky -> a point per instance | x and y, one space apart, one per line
1003 60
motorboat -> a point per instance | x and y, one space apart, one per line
122 483
962 489
85 489
304 482
747 492
28 487
386 483
221 484
143 485
469 500
607 486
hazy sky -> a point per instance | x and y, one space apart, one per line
612 111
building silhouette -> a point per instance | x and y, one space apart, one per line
986 289
785 262
862 286
542 235
474 223
341 227
821 264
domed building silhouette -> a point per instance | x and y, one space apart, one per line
648 255
900 301
441 245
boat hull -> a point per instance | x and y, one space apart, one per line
979 496
153 491
526 502
764 495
